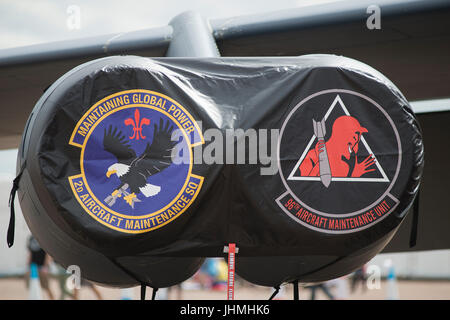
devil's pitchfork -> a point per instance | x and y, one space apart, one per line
137 124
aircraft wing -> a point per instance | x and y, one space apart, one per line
411 49
25 72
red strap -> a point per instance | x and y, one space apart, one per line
231 262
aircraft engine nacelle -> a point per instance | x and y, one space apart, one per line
136 169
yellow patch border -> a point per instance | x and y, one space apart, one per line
86 138
131 218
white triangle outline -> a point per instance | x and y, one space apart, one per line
294 170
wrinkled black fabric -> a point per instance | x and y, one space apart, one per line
236 204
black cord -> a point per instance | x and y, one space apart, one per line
12 218
132 275
143 288
295 285
154 293
277 289
415 222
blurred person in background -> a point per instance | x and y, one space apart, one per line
359 277
221 274
205 275
321 286
39 257
62 277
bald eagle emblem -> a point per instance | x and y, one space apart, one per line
137 169
133 170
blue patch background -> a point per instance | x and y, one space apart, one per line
97 161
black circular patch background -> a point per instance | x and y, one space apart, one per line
340 197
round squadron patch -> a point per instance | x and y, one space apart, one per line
136 161
340 157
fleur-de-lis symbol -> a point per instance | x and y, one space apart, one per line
137 124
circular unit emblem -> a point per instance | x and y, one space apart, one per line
341 156
136 161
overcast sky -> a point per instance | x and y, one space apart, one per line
26 22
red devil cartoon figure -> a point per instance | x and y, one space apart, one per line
332 158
